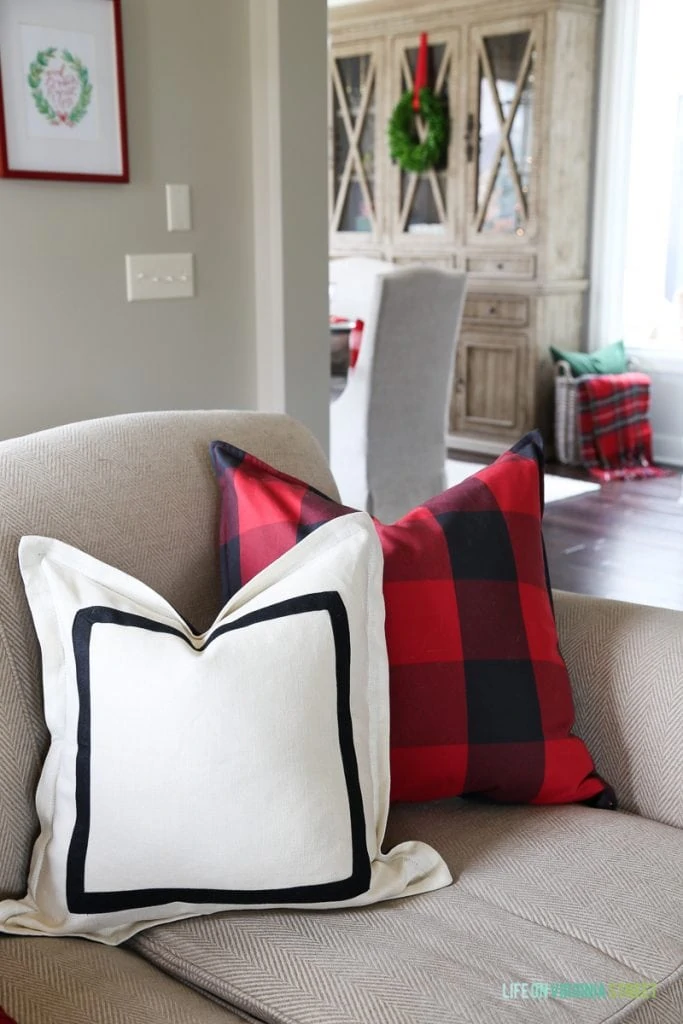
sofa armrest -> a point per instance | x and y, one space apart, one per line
625 662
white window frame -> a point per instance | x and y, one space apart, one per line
611 185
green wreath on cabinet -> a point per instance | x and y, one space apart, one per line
404 143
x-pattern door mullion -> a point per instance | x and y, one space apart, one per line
422 135
504 145
353 132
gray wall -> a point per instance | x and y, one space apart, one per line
289 136
72 347
303 113
666 409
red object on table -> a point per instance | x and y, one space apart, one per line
420 71
355 329
355 338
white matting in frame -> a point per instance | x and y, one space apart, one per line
63 101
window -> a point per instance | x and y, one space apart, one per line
653 272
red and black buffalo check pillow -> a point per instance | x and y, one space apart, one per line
480 697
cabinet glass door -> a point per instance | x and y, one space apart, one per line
353 103
502 146
423 199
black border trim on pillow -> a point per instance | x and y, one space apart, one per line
80 901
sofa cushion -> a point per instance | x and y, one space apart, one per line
69 981
480 697
136 491
554 895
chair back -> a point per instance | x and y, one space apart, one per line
388 429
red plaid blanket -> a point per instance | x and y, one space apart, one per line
614 423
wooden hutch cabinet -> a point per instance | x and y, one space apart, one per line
510 206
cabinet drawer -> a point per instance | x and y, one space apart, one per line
440 262
500 266
497 310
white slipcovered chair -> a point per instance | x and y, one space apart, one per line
352 284
388 428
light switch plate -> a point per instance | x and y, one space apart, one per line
164 276
178 209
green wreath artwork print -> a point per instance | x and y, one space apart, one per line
60 86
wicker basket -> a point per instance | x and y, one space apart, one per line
566 431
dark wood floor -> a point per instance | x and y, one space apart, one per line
624 541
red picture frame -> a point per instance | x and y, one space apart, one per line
119 177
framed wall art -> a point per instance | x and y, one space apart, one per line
62 91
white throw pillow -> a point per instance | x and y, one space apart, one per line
246 767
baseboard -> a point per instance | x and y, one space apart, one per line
476 445
668 448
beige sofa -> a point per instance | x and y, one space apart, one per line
541 895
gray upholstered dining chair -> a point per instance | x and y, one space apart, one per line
388 428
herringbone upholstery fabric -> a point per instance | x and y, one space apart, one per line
626 666
137 492
540 894
71 981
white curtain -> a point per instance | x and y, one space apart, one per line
612 160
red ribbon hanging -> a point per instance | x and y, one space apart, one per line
421 72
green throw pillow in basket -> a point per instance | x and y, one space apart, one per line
610 359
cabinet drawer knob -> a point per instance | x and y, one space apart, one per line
500 266
492 310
